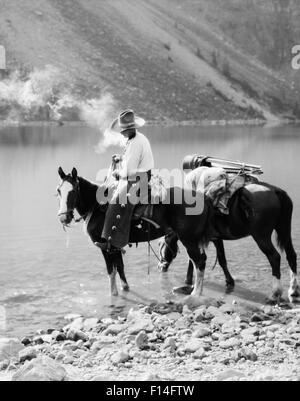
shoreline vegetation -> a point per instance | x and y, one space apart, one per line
203 340
162 123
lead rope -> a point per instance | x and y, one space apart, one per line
149 246
67 237
153 251
67 240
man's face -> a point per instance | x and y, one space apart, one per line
128 133
125 133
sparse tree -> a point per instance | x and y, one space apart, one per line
226 69
296 110
214 60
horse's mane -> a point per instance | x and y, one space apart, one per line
85 182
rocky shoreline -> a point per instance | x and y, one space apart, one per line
207 341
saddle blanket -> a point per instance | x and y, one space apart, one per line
218 185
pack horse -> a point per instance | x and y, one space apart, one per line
254 208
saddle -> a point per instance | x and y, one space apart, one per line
219 179
122 216
157 192
144 212
218 185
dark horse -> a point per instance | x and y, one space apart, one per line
255 210
77 193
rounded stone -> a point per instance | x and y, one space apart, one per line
26 341
141 340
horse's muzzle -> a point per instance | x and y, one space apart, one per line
66 218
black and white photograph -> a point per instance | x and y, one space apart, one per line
149 197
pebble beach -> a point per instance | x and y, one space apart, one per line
206 340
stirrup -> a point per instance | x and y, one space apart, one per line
104 246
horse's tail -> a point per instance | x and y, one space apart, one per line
284 225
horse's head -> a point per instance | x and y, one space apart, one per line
68 193
168 250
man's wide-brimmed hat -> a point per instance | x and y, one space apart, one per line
126 120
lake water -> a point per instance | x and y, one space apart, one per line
42 279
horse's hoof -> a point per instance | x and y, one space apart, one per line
114 293
294 299
294 294
271 301
229 289
193 301
275 300
286 305
196 294
126 288
185 290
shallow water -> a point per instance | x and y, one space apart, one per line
42 279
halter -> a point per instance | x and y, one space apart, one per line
71 212
166 245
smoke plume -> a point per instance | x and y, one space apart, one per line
47 94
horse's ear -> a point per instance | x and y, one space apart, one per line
74 173
61 173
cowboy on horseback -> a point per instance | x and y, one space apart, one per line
133 177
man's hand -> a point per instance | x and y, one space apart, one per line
116 158
116 174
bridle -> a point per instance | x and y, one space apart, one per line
70 212
162 250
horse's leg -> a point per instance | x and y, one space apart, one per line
219 244
284 239
294 290
266 246
223 263
118 262
199 260
112 272
189 273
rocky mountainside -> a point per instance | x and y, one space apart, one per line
168 59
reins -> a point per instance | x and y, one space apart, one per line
79 220
154 253
150 248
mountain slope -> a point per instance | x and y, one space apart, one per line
157 56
